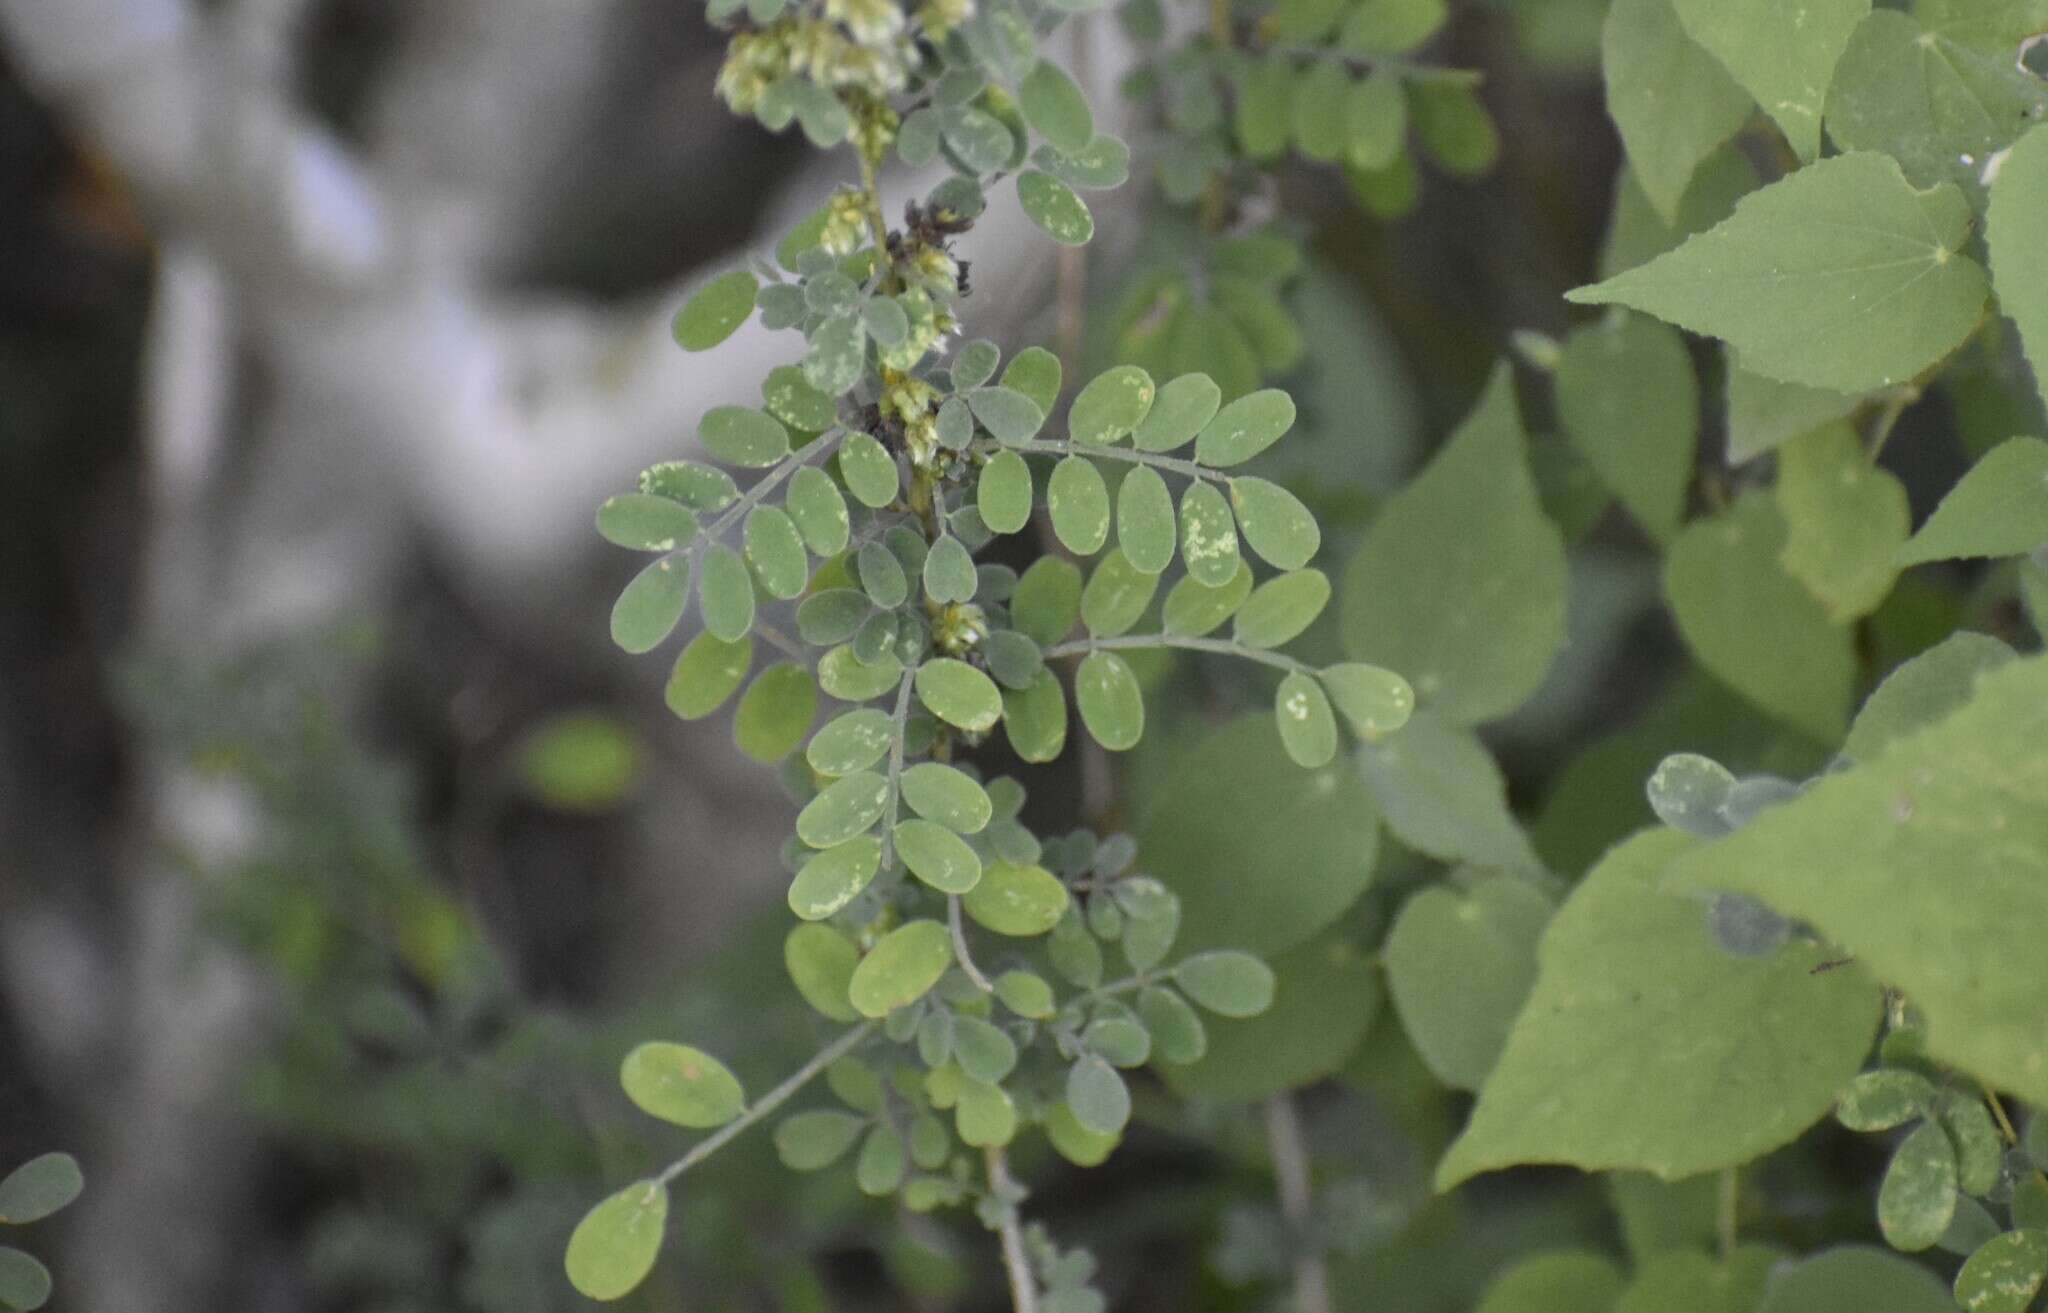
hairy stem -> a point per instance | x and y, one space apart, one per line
768 1102
1010 1227
1290 1174
960 953
899 720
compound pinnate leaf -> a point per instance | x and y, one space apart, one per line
715 311
39 1187
1840 276
959 694
2018 272
646 523
1782 51
1754 626
707 673
835 877
1851 856
899 969
1183 408
2005 1273
1019 901
1054 207
1672 101
1460 585
1459 967
1632 995
2000 508
682 1085
650 606
1112 706
1244 428
614 1246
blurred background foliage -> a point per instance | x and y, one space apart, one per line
461 885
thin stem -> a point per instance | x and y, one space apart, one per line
878 227
960 953
767 483
768 1102
1290 1175
1894 406
1727 1212
1023 1286
1221 646
1068 447
2005 1126
780 641
898 720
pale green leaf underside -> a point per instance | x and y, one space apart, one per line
1840 276
1930 865
1783 51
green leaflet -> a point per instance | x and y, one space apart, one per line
1054 207
776 552
1391 27
843 810
1279 609
1019 901
1274 522
682 1085
1839 276
937 856
646 523
1004 492
1375 120
951 797
2005 1273
1628 401
1782 51
869 470
1460 585
1055 107
1047 601
706 674
853 741
900 968
1918 1197
959 694
1193 608
1244 428
819 512
820 962
1459 968
738 435
809 1141
1753 626
1938 107
39 1187
1208 542
776 712
1632 995
1145 527
614 1246
725 593
1453 125
1859 855
1035 373
1183 408
1233 804
1672 101
1844 521
1112 406
1308 728
1116 596
715 311
1078 501
1112 706
650 606
1443 795
833 878
1999 508
24 1281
